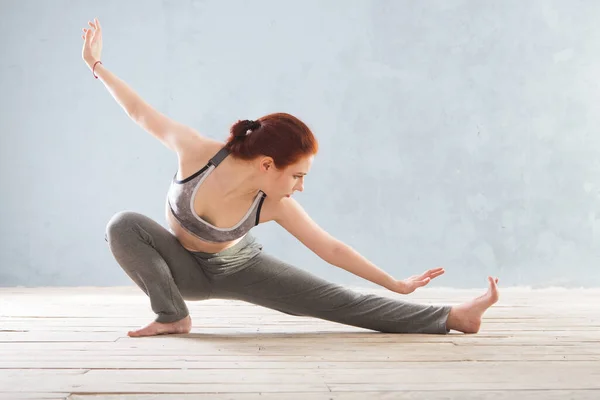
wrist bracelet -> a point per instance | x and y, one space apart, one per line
94 67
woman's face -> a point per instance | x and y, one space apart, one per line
281 183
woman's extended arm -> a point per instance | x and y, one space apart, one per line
127 98
292 217
175 136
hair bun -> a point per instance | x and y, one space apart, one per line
253 125
244 127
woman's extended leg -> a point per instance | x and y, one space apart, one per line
155 260
272 283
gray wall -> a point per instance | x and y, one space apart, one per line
460 134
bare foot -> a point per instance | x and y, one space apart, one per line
157 328
466 317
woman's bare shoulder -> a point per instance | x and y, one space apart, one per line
196 155
201 149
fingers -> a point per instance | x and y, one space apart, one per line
434 276
432 273
95 27
95 24
86 33
422 282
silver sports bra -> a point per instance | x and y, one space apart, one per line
180 198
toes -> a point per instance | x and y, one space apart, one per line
492 281
139 333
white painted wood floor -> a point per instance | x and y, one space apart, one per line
58 343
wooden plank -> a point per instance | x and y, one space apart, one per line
82 387
420 351
417 376
231 386
34 395
196 342
37 336
267 351
395 395
177 363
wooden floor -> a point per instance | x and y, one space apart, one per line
58 343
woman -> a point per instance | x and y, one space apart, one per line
220 192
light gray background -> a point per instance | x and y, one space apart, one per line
461 134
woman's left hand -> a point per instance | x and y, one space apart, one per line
92 43
409 285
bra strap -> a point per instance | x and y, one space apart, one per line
220 156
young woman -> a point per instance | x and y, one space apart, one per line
222 190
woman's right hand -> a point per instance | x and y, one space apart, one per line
92 43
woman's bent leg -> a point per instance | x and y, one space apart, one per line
272 283
155 260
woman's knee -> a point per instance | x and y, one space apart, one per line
121 223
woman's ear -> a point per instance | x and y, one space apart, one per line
267 164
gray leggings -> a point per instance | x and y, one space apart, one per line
169 274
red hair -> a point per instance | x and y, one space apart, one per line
280 136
